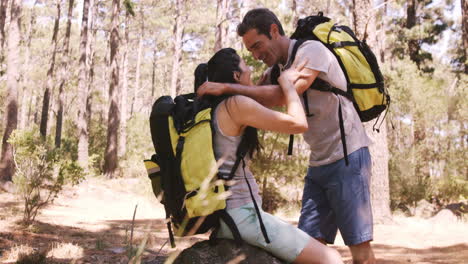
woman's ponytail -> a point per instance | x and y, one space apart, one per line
201 74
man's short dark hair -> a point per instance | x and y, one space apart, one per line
260 19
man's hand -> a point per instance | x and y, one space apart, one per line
211 88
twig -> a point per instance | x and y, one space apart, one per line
133 224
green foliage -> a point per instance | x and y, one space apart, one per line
274 169
97 144
428 142
129 7
139 147
41 170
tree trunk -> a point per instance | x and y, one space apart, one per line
50 76
123 98
7 166
413 46
464 7
137 88
106 81
177 47
83 91
364 24
63 76
27 93
3 10
221 24
110 158
91 60
153 73
295 13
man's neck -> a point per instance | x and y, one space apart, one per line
284 48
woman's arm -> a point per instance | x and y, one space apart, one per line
245 111
267 95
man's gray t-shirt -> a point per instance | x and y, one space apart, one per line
323 135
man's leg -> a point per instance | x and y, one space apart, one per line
362 253
349 197
317 219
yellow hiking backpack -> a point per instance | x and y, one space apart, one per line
184 171
365 83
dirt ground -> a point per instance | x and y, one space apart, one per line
92 223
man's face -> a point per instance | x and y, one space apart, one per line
261 47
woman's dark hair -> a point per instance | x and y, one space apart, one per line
260 19
220 68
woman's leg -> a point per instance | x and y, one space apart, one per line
316 252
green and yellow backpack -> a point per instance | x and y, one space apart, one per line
364 79
184 171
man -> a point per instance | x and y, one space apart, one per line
336 196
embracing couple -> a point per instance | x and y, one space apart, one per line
336 194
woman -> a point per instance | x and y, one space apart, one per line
239 116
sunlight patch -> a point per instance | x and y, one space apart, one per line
65 251
15 252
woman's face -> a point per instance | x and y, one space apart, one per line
244 78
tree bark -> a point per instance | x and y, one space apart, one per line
3 10
124 86
63 76
464 7
110 158
221 24
295 13
7 166
364 24
177 47
27 93
50 75
153 73
413 46
83 90
91 60
137 87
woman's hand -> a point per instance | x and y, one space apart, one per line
211 88
293 74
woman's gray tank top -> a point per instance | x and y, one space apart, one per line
226 147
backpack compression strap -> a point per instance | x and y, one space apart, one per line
322 85
241 152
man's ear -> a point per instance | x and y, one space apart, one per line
274 31
236 75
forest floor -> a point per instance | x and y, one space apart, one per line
92 223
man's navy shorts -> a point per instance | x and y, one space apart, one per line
337 196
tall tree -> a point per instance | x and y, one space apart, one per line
7 166
137 88
221 23
124 83
63 75
82 123
464 7
50 74
364 25
110 156
27 95
177 45
3 10
413 45
91 59
424 25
